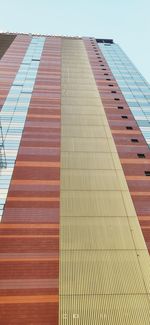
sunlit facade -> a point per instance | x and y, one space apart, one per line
74 183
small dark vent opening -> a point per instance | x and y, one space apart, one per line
141 155
134 140
147 172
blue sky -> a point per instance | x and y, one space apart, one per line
126 21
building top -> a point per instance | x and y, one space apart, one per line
99 40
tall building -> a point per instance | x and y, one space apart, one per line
74 183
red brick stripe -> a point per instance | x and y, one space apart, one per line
29 232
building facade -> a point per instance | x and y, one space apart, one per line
74 183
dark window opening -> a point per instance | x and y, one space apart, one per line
147 172
111 85
134 140
129 127
113 92
116 98
124 116
120 107
140 155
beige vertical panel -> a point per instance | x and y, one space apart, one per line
83 233
81 119
107 272
87 160
104 265
92 179
144 261
92 204
85 144
82 110
82 131
136 230
104 309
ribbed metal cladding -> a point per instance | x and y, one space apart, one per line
102 251
29 231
